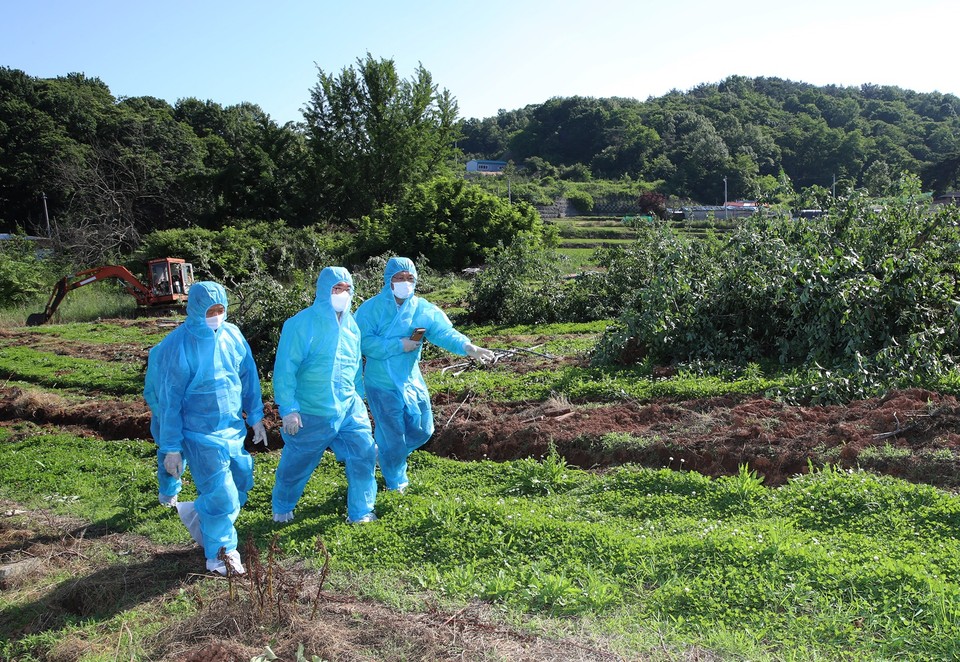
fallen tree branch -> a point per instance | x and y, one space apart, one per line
905 428
469 395
518 350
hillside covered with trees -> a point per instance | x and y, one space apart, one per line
381 158
763 134
373 149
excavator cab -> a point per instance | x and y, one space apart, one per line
170 280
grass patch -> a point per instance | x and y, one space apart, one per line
105 333
86 304
563 328
833 565
591 384
56 371
579 258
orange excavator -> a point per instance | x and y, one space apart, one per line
170 278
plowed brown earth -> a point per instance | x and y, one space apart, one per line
715 436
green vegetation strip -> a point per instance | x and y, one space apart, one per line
54 370
834 565
105 333
588 384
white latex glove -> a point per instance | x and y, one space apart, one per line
173 463
410 345
478 353
259 434
292 423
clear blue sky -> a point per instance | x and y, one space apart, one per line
490 54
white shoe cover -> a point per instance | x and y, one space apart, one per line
219 567
191 520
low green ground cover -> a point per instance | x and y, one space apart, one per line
102 300
105 333
53 370
593 384
833 565
580 258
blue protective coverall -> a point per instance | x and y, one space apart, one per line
394 385
317 373
203 382
169 486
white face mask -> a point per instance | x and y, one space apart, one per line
402 289
215 321
340 302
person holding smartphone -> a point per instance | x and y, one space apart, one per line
393 325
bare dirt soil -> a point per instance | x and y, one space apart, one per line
914 434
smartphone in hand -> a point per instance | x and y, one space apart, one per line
417 334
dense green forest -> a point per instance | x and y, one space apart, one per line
382 157
98 173
757 132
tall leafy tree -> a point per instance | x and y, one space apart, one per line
373 135
253 168
701 156
35 141
130 180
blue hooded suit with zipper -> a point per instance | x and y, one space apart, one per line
393 383
318 374
202 381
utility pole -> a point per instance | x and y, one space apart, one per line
725 197
46 214
834 188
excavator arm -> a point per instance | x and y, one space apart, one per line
130 283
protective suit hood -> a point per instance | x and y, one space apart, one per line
395 265
202 295
329 277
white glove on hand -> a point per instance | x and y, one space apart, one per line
478 353
292 423
259 434
410 345
173 463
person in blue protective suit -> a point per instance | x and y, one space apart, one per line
203 382
392 326
169 486
317 386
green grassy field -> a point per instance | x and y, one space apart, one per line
652 564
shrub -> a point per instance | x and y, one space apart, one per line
522 284
581 199
263 304
23 275
448 221
860 295
236 253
